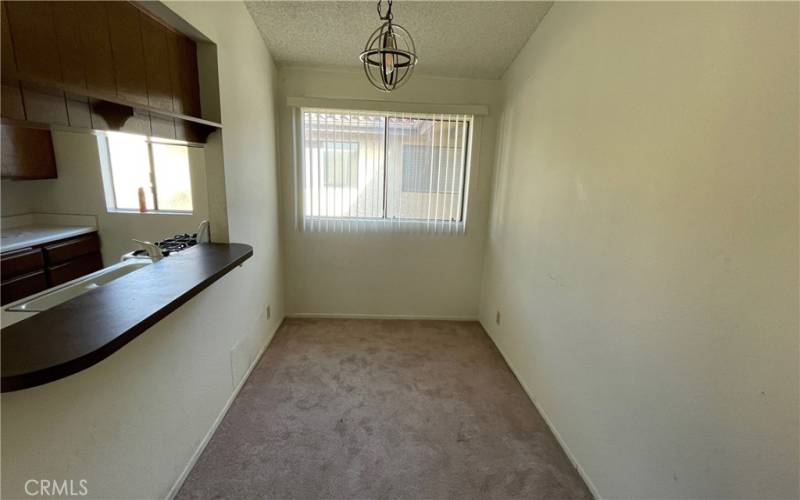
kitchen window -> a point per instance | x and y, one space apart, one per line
383 168
143 175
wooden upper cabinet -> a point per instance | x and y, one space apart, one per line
126 44
185 87
9 66
67 17
33 34
27 153
98 62
155 38
11 96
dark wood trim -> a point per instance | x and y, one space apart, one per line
80 333
102 96
46 126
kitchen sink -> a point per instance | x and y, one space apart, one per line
62 293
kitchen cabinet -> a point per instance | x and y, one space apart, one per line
66 250
156 38
128 52
33 34
11 101
98 62
185 87
9 65
27 153
23 286
21 262
33 269
22 274
67 17
68 271
99 65
44 104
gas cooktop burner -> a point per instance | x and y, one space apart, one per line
175 244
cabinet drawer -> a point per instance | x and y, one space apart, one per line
71 249
22 286
74 269
20 262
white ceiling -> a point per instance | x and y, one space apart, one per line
470 39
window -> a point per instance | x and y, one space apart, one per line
384 167
157 171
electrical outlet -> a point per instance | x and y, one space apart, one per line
497 317
269 312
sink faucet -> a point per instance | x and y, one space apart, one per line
153 250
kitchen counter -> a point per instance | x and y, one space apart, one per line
28 236
22 231
77 334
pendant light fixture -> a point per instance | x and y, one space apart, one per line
389 56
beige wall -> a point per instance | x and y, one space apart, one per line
387 274
132 424
643 248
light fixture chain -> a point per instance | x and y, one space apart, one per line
388 16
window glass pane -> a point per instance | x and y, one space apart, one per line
425 177
343 164
130 170
173 179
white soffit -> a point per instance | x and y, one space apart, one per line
468 39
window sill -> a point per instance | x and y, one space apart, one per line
379 225
149 212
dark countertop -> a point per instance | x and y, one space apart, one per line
81 332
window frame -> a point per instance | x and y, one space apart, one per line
107 170
468 147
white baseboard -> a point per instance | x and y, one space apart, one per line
547 420
202 446
382 316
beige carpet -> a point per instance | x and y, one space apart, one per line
382 409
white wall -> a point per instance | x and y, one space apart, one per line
644 242
79 190
387 274
132 423
17 197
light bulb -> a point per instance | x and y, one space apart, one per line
388 58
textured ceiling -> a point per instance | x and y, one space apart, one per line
471 39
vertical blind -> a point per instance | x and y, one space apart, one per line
365 171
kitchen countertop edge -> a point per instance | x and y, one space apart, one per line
58 233
19 340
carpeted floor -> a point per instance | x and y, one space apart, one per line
382 409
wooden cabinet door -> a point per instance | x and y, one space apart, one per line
9 66
68 35
68 271
44 105
11 102
27 153
156 58
63 251
35 45
98 62
126 44
23 261
185 87
22 286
